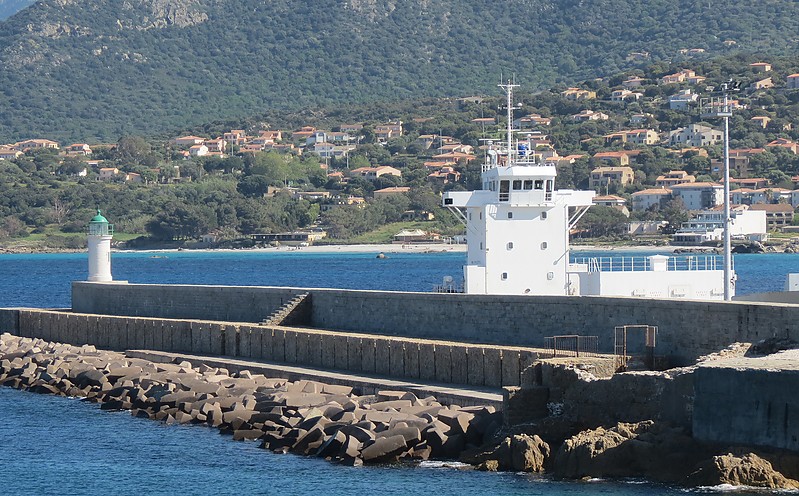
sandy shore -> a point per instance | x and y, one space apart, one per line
427 248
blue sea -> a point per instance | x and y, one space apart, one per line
53 445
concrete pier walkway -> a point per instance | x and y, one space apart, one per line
446 394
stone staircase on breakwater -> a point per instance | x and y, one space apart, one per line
295 312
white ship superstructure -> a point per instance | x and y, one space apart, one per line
517 231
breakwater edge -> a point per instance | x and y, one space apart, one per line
329 421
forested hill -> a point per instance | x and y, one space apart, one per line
93 70
10 7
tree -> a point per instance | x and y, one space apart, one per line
675 213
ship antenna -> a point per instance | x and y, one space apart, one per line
508 87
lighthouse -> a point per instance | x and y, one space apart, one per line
100 234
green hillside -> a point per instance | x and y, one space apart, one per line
96 70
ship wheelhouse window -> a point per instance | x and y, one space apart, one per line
517 185
504 190
539 184
528 184
549 185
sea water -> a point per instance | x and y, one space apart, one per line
54 445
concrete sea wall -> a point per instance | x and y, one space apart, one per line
397 357
687 329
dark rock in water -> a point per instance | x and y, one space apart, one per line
519 453
753 247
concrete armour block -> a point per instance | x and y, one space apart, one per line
443 363
460 364
427 361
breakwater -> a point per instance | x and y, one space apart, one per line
687 329
304 417
440 361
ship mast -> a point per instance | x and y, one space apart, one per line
508 87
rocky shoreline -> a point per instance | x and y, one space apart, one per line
330 421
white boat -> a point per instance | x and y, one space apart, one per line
517 232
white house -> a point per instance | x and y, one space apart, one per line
643 200
699 196
708 226
695 135
682 100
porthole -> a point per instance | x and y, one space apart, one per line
510 215
504 276
544 245
510 245
543 215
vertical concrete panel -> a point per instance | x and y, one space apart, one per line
354 362
527 362
443 362
303 345
245 340
368 355
95 334
37 324
197 335
160 340
315 349
396 358
149 332
217 336
383 356
290 343
412 359
475 368
510 367
267 343
184 331
492 360
427 361
328 351
340 351
460 365
257 341
278 345
231 340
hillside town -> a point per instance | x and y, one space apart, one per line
643 141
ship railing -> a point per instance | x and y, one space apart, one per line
572 345
640 263
448 288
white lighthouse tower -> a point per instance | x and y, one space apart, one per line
100 234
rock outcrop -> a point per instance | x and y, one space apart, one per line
740 470
518 453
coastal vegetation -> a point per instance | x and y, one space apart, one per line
101 71
161 195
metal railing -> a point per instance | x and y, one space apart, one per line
632 263
572 345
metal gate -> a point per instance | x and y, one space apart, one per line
620 345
